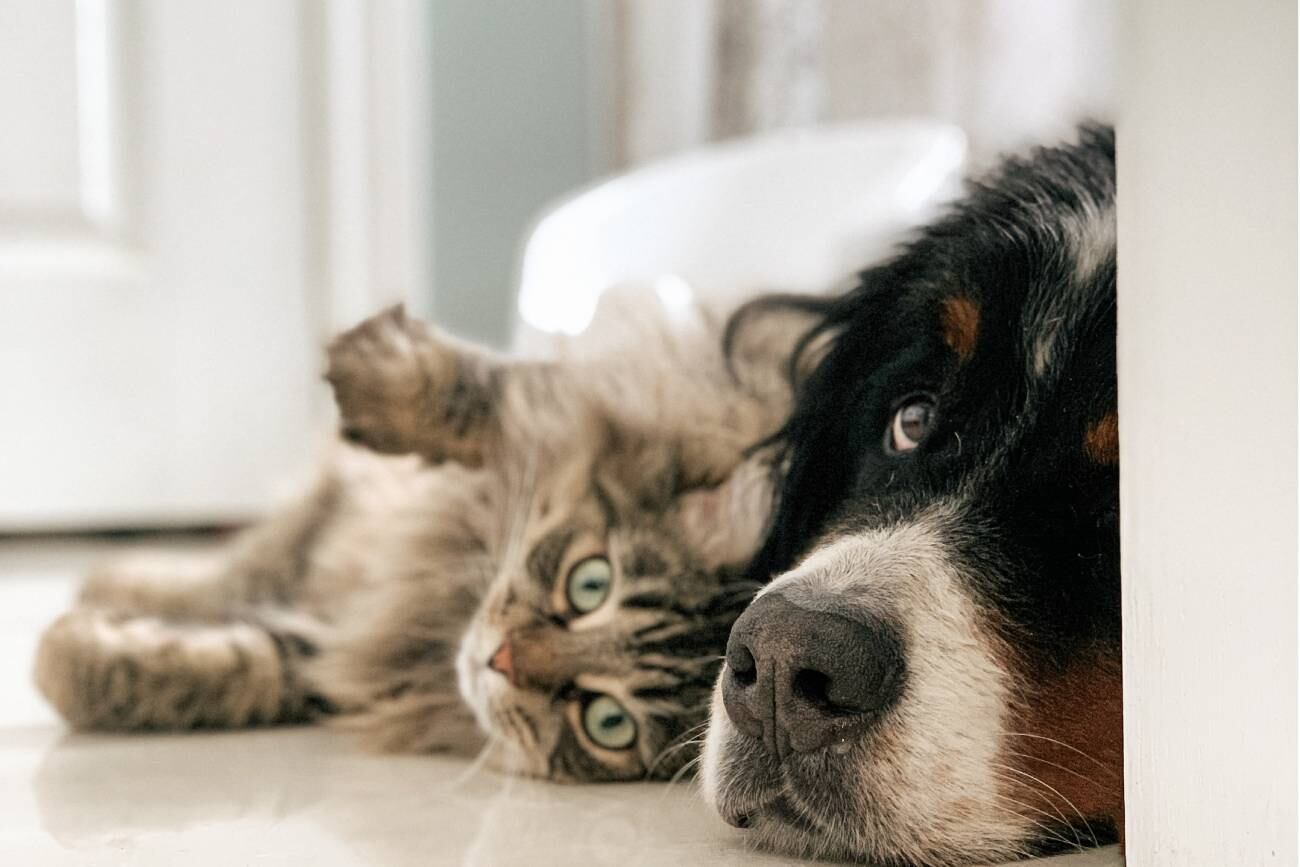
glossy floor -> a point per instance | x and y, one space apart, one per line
301 796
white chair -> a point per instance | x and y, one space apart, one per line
792 211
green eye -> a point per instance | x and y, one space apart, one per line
589 584
608 724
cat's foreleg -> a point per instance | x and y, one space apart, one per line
173 640
264 564
109 670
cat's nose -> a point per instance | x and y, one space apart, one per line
800 679
503 662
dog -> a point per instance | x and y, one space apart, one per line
932 673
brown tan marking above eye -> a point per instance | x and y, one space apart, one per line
1101 440
961 325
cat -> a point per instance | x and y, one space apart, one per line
543 557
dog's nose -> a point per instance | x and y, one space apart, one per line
800 679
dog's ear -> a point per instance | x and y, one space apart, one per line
403 387
819 446
724 524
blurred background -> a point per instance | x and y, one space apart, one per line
195 195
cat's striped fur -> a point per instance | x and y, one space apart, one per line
380 597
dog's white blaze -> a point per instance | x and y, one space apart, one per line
1090 238
932 779
1044 346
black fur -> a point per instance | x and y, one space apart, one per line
1044 513
1016 486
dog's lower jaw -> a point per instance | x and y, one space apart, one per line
771 815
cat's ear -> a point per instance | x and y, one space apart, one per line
402 386
724 524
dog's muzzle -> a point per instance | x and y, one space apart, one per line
800 680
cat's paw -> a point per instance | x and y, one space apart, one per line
401 387
382 381
112 671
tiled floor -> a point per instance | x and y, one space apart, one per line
301 797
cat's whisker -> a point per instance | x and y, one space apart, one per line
691 737
506 721
682 771
478 763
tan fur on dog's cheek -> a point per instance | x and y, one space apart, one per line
1070 737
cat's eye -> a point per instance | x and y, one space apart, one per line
608 723
588 584
911 424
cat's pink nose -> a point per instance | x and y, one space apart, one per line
502 662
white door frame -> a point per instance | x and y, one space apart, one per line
370 151
1207 373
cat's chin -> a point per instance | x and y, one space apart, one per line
475 682
506 757
482 690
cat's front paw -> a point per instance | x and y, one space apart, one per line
381 380
402 387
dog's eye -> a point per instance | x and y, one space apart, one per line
911 425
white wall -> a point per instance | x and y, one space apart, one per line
1207 369
1009 72
512 131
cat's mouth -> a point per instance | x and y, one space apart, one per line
479 686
